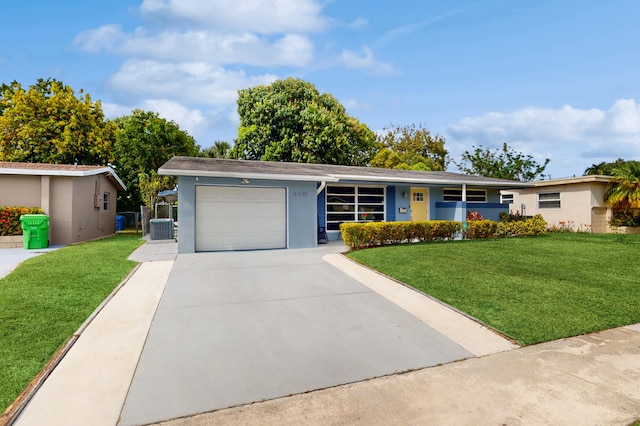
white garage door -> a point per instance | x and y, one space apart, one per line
239 218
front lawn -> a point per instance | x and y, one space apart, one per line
531 289
46 299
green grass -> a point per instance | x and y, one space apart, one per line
46 299
531 289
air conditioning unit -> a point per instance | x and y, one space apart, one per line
161 229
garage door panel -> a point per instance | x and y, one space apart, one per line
240 218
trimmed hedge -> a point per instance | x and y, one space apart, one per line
10 219
362 235
535 225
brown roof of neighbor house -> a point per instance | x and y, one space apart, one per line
213 167
44 169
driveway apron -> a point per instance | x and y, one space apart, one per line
239 327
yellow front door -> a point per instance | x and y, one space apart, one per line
419 204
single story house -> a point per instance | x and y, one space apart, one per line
245 205
80 200
577 201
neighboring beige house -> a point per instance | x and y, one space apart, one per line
578 201
80 200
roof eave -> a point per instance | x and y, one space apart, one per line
244 175
68 173
430 181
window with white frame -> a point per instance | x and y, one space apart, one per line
105 201
549 200
354 204
473 195
506 198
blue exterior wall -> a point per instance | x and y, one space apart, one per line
302 226
402 202
451 210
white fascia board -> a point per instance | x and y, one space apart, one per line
69 173
430 181
44 172
239 175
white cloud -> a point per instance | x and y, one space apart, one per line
260 16
193 82
95 40
364 59
208 46
112 110
191 120
352 104
573 138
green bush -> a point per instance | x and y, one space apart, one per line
371 234
522 228
10 219
481 229
361 235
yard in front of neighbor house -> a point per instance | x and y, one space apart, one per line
531 289
46 299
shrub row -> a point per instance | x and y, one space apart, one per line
361 235
10 219
535 225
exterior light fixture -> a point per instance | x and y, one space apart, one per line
245 181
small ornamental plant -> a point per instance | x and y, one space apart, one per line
474 216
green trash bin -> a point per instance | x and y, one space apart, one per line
35 230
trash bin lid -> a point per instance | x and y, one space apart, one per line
34 219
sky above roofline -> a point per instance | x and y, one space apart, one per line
553 79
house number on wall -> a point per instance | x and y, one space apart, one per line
300 194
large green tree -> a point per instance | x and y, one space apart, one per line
144 142
289 120
505 163
410 147
49 123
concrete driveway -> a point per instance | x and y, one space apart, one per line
239 327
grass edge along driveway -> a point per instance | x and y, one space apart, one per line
532 289
46 299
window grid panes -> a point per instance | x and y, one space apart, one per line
354 204
105 201
418 197
506 198
549 200
473 195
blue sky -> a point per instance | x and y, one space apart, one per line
554 79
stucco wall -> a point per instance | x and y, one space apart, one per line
19 190
581 204
89 219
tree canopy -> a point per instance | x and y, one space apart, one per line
219 149
290 120
144 142
411 148
625 189
607 168
48 123
504 163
